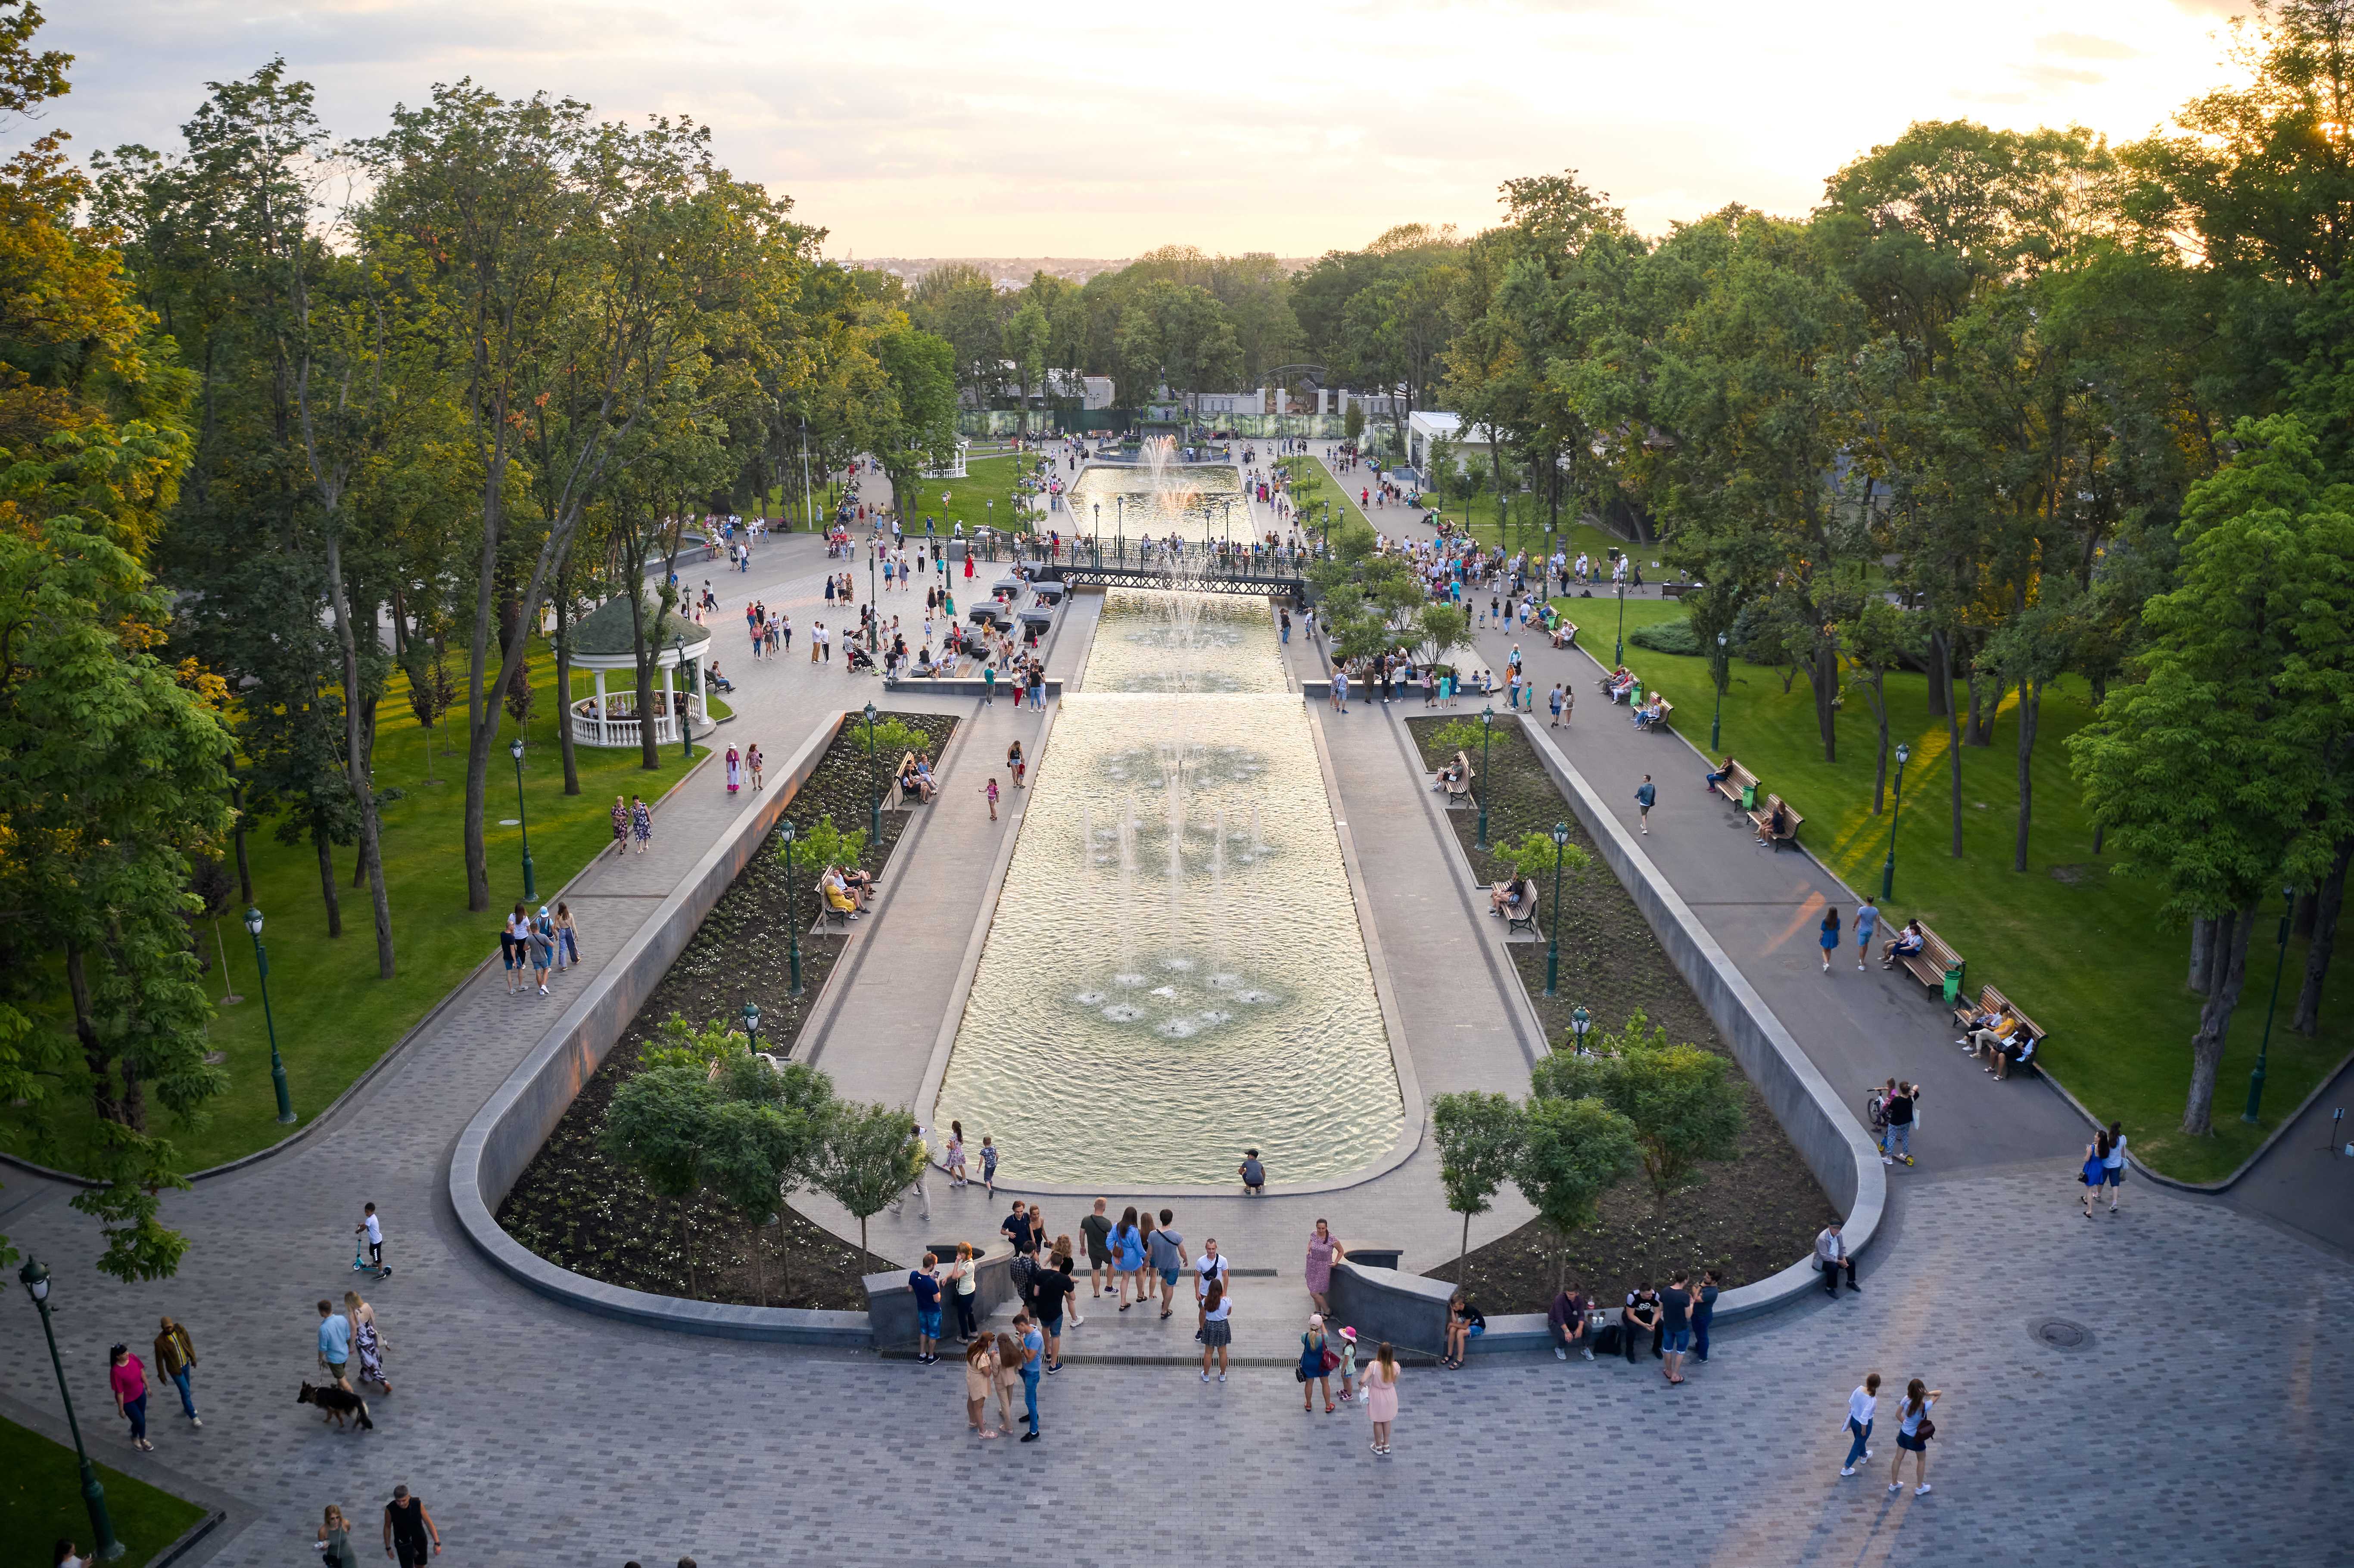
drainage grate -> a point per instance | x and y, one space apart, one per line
2062 1335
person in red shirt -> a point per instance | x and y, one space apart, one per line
128 1377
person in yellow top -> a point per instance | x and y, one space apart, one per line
837 895
176 1358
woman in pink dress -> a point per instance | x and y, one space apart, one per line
1323 1252
1381 1395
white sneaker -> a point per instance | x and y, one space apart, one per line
1895 1486
1921 1491
1205 1377
1847 1470
1884 1159
1559 1354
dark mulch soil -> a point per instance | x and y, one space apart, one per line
1750 1216
581 1211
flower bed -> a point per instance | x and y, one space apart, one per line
1748 1217
580 1210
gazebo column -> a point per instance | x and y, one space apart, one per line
604 715
670 703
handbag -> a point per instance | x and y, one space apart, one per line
1926 1430
1331 1360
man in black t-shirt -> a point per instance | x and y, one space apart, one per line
1640 1316
405 1526
1049 1288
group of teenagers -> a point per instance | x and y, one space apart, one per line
532 946
1675 1321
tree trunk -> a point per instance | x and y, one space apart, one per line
865 1255
1941 676
2226 973
122 1111
236 804
2030 704
1463 1255
2202 952
2327 903
1986 697
649 756
327 879
359 756
1824 678
478 732
1954 761
564 677
1879 712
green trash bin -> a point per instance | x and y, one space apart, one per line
1954 983
1749 796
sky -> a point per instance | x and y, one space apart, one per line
918 128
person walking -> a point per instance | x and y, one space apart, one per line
990 790
1164 1251
753 763
1830 1256
2094 1172
1863 1408
176 1358
1867 923
126 1375
335 1343
980 1374
335 1549
1704 1312
1914 1430
543 947
366 1338
988 1165
1096 1231
1831 935
1015 763
510 954
407 1524
1317 1359
1323 1252
641 823
734 770
1646 794
1034 1354
1127 1257
1217 1333
955 1162
2113 1169
567 938
621 827
1553 701
1381 1395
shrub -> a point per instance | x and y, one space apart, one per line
1667 637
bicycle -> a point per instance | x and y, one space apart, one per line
1875 1112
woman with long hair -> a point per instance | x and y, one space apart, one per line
2095 1172
1323 1252
1128 1257
979 1373
1217 1333
1009 1379
366 1338
1315 1372
961 1280
1381 1395
1831 935
1914 1430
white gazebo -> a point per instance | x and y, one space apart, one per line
603 641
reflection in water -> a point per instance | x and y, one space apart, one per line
1175 971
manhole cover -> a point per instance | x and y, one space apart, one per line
2061 1335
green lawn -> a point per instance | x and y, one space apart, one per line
2080 950
41 1501
947 501
334 1018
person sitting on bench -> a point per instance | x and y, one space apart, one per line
1907 942
1974 1022
924 784
711 672
2020 1048
1621 684
1777 825
838 897
1723 771
1649 713
1449 778
1510 897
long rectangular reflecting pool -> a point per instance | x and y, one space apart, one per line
1175 972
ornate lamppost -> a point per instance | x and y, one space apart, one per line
874 788
2263 1047
35 1278
523 820
262 967
1552 950
1888 871
793 908
1487 718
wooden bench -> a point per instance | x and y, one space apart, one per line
1459 791
1526 920
1791 819
1931 964
1667 712
1993 1000
1565 634
1736 783
828 916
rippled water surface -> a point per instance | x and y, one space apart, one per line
1117 1032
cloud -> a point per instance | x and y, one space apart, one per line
2084 46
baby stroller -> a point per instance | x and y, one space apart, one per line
856 658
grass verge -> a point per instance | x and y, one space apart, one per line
2078 946
41 1503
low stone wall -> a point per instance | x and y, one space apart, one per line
507 1132
891 1304
1823 1130
1409 1310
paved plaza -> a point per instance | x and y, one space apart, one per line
2205 1416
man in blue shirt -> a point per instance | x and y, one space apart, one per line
926 1285
334 1342
1033 1352
1646 794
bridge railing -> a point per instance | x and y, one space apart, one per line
1187 558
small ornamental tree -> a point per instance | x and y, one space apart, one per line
1681 1101
1571 1153
658 1125
869 1158
825 844
1478 1136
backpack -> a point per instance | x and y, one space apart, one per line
1609 1341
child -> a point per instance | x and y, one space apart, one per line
988 1165
955 1155
990 790
372 1229
1348 1365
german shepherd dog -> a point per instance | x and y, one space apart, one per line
338 1402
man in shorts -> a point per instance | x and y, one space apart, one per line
1166 1253
1097 1229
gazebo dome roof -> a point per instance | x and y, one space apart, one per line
605 631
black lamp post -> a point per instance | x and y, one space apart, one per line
2263 1047
35 1281
1487 718
1552 950
874 789
523 819
1716 724
752 1024
1620 656
1888 871
686 728
793 908
261 968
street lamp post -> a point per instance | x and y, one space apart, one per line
1620 657
752 1024
1552 949
1580 1020
261 968
793 908
523 820
874 789
686 728
1716 724
1888 869
2264 1047
35 1278
1487 718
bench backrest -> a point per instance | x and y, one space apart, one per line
1997 1001
1463 760
1740 777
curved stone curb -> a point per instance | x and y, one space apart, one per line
1824 1130
2212 1188
507 1132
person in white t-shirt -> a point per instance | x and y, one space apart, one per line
372 1229
1862 1406
1211 1266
